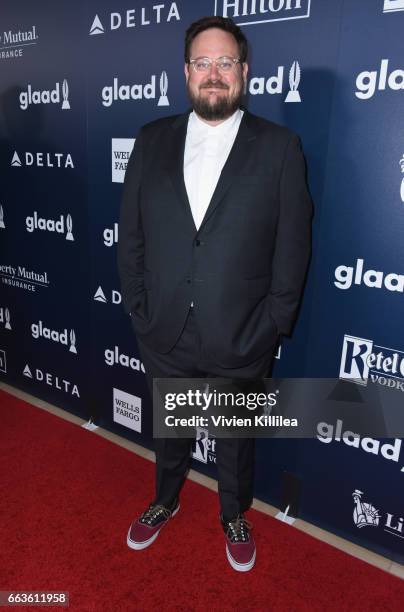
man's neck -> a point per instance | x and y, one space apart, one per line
215 122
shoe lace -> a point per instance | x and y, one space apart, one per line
238 529
154 512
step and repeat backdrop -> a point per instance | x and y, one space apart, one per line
77 82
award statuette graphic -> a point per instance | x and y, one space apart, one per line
65 91
69 225
7 319
294 80
72 348
364 515
2 226
401 188
163 100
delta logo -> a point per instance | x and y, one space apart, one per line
41 160
141 16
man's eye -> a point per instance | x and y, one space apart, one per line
225 65
202 65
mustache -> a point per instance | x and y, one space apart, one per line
217 85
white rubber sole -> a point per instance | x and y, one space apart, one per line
240 567
140 545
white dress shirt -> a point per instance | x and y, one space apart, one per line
207 148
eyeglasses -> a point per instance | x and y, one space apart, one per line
223 64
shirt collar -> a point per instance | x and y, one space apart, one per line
201 127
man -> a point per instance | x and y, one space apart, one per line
214 242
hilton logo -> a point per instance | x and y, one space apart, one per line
115 92
250 12
45 96
391 6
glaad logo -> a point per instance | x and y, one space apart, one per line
391 6
5 318
115 92
328 433
368 81
52 380
204 446
13 44
114 357
2 226
110 235
361 358
366 515
51 225
246 12
39 331
50 160
121 150
3 362
274 84
127 410
99 296
45 96
143 15
345 275
18 277
401 188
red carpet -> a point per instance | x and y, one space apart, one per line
68 497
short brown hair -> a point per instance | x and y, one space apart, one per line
223 23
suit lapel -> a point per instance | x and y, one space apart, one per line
239 154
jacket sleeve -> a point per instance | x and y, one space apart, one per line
131 239
293 239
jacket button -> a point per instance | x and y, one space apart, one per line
197 242
188 281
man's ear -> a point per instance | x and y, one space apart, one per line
186 72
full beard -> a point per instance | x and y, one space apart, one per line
222 108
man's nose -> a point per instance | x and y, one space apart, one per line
214 72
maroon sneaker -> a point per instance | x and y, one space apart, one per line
146 528
240 545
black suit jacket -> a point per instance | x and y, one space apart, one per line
244 268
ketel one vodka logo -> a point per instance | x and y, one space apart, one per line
45 96
204 446
391 6
249 12
5 318
275 84
2 224
364 514
362 359
60 226
113 93
38 330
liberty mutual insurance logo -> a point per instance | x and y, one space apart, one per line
391 6
366 515
46 96
251 12
115 92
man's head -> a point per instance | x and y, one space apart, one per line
215 88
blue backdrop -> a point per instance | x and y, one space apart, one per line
77 82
